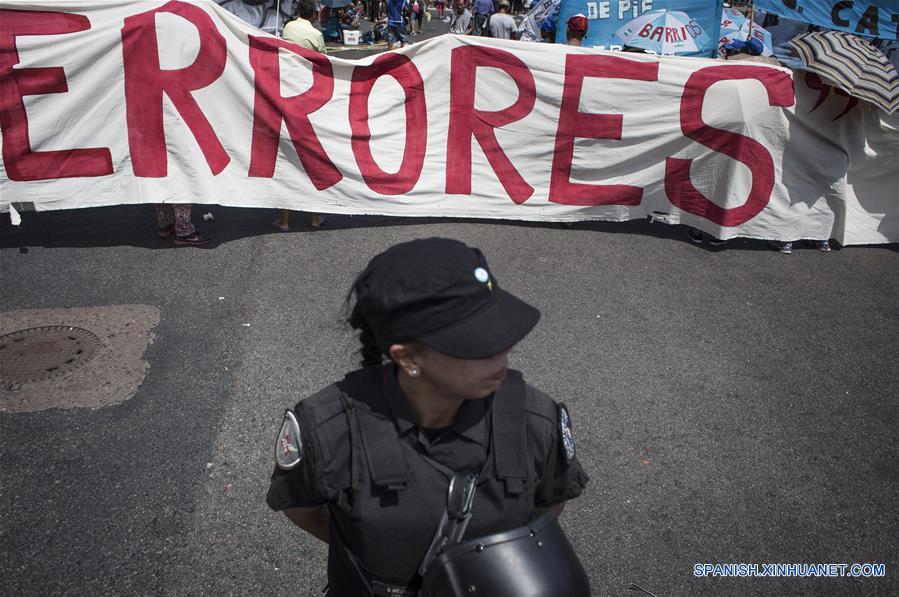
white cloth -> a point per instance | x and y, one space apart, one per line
492 129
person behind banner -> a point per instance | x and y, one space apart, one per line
461 22
502 25
395 23
300 29
416 16
481 9
351 15
302 32
365 464
548 31
577 29
174 218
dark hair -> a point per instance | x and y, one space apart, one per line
304 9
370 351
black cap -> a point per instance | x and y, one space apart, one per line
440 292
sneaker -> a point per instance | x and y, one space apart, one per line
717 242
191 240
166 232
695 236
823 246
786 248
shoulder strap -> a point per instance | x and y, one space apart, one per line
383 450
510 445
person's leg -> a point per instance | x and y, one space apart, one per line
165 220
185 233
393 36
282 222
183 225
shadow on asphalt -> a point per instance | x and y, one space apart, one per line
134 225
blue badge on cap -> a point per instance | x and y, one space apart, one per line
481 275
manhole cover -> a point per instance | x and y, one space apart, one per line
42 353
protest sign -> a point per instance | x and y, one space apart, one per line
608 16
106 104
869 18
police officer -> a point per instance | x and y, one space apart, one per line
365 463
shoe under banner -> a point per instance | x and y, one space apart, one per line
182 102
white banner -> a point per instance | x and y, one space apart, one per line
116 102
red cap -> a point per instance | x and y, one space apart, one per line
578 23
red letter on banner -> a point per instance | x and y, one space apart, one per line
20 162
270 108
406 74
750 152
145 82
466 121
574 124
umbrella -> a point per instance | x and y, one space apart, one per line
665 32
735 26
852 64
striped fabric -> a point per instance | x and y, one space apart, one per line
852 64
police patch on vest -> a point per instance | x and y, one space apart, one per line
289 447
565 433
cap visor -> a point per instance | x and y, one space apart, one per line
495 329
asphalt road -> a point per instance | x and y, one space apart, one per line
731 405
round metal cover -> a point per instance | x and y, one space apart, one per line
37 354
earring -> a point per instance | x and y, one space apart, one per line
414 372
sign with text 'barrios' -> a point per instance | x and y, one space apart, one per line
608 16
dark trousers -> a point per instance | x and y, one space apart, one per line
479 22
397 34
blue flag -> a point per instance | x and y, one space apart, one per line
608 16
868 18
